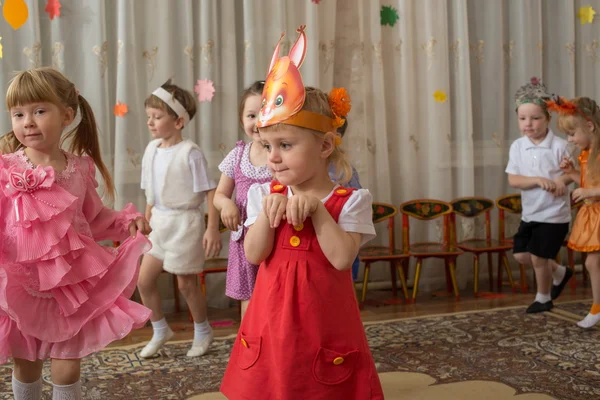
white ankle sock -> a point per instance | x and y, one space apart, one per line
558 275
201 329
67 392
161 330
542 298
589 321
27 391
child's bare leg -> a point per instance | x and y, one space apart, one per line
196 301
65 379
560 273
543 276
244 307
523 258
592 263
193 295
150 270
26 380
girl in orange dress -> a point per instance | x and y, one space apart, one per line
580 120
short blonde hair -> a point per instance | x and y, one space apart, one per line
318 102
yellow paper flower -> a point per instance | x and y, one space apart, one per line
440 96
586 15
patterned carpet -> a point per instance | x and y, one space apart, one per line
544 353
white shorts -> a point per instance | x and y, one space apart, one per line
176 239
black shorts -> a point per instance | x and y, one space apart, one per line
541 239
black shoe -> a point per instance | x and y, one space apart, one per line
557 289
537 307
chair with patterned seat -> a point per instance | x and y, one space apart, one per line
510 204
396 257
472 207
428 210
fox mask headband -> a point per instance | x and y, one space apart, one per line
173 103
284 93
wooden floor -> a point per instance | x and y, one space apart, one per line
380 306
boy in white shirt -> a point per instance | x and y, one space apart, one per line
533 167
176 179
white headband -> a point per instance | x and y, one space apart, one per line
173 103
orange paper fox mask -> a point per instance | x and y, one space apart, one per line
284 93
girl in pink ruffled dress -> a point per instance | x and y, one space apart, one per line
62 295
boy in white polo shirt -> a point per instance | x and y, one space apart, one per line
533 167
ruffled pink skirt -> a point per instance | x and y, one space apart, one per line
78 308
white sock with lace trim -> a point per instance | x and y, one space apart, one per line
27 391
67 392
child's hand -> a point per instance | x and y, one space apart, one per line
274 206
230 215
212 242
300 207
580 194
567 165
560 188
546 184
141 225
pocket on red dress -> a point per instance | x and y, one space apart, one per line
331 367
248 350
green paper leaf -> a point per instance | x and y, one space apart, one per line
389 15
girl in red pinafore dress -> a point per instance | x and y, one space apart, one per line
302 337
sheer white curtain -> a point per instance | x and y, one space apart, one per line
404 144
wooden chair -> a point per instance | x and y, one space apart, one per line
213 265
509 204
427 210
396 257
471 207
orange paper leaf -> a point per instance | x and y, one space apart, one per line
120 109
15 13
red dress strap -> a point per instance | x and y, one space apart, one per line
336 202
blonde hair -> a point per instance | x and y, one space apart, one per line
185 98
48 85
568 123
318 102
